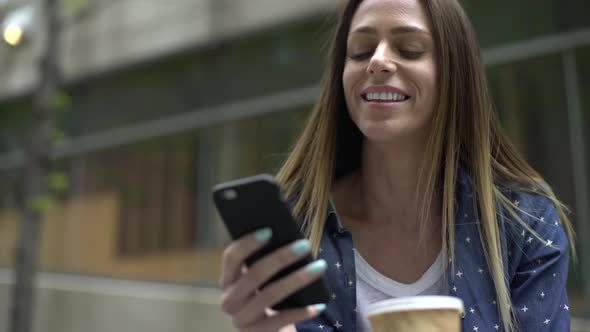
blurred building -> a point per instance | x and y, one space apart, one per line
163 99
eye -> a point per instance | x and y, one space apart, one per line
411 55
361 56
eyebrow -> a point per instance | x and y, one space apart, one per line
399 30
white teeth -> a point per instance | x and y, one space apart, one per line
385 96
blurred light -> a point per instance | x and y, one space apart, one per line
17 25
13 34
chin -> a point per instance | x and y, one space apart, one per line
394 131
382 132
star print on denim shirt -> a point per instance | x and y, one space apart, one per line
536 268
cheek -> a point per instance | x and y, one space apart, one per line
429 86
346 81
350 80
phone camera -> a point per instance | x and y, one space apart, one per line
230 194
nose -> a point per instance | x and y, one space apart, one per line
382 61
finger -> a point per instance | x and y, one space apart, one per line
237 252
263 270
289 317
278 291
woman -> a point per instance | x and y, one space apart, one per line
402 168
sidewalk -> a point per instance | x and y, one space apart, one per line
580 325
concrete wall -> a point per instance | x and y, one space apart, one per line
68 303
109 34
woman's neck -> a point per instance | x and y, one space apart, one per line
388 182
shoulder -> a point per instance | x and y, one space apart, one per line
534 232
537 260
529 210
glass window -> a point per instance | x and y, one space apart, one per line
154 187
276 60
251 146
155 183
505 21
256 145
583 69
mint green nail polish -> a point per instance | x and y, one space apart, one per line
317 267
301 247
320 307
263 234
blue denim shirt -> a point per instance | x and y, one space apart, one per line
536 270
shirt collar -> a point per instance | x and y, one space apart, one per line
332 217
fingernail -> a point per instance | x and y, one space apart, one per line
320 307
301 247
317 267
263 234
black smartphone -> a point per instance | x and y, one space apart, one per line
255 202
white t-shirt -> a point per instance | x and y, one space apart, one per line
372 286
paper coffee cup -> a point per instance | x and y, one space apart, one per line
417 314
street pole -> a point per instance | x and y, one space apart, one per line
38 150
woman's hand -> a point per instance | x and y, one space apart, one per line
242 299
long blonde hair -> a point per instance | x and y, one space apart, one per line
465 130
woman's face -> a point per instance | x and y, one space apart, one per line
390 75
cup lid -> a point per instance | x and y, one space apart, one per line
410 303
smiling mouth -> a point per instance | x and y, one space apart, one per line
384 97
